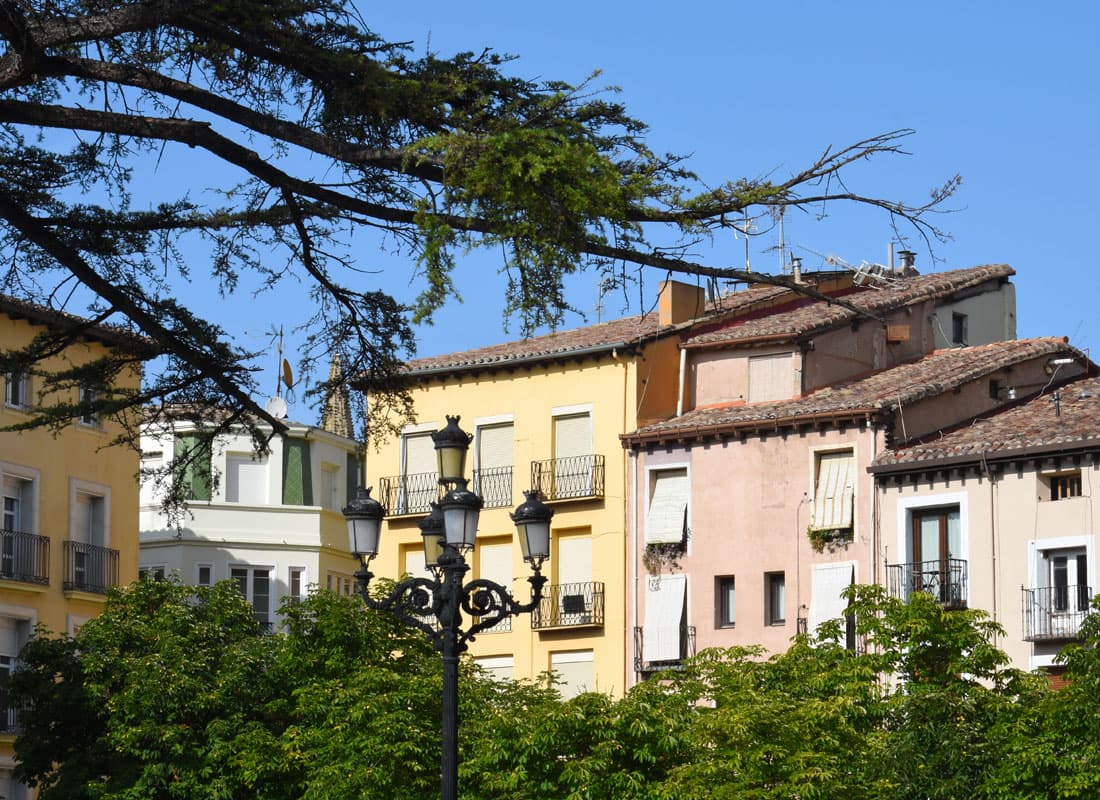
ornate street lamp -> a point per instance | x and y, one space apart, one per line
436 605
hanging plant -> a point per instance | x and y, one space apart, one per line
820 538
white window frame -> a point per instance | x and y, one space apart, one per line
816 454
303 583
29 517
650 484
927 502
24 384
333 501
78 486
198 574
250 586
89 419
1035 549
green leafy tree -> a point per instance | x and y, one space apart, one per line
314 132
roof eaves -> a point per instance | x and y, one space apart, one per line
519 361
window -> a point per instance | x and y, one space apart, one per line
663 633
17 503
254 584
89 524
330 487
935 546
1065 485
151 573
14 633
572 455
89 415
725 601
1067 577
493 476
296 584
499 667
771 377
666 516
958 328
419 486
17 389
245 479
204 575
829 584
575 672
833 492
775 598
495 564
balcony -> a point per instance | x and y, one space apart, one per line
1055 613
687 650
944 579
573 478
407 495
569 605
494 485
24 557
90 568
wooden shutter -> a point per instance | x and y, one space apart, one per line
771 377
664 616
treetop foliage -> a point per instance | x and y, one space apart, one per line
176 692
293 130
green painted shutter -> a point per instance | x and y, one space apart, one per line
297 473
352 476
196 476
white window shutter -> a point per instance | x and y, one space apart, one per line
668 503
834 492
664 613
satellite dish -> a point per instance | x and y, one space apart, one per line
276 407
288 376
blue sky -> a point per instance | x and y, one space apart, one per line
1003 93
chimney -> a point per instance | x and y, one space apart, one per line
908 259
680 302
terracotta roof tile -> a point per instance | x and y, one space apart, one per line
810 315
932 375
627 330
1039 423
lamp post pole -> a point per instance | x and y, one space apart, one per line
436 605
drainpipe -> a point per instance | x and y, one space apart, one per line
632 580
993 533
680 384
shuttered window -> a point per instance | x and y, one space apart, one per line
494 446
666 517
576 672
827 599
834 490
89 519
419 453
664 617
572 435
771 377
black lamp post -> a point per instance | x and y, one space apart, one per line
436 605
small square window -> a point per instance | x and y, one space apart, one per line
725 601
775 598
205 576
1065 485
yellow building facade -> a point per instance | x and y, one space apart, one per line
544 413
70 504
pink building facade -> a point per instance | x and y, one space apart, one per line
751 511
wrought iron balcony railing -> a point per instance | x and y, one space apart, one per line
569 605
573 478
944 579
687 650
24 557
403 495
1055 613
90 568
494 485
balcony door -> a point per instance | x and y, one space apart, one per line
572 448
935 543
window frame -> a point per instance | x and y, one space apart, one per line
959 328
725 601
21 379
250 587
818 456
89 418
775 598
652 476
